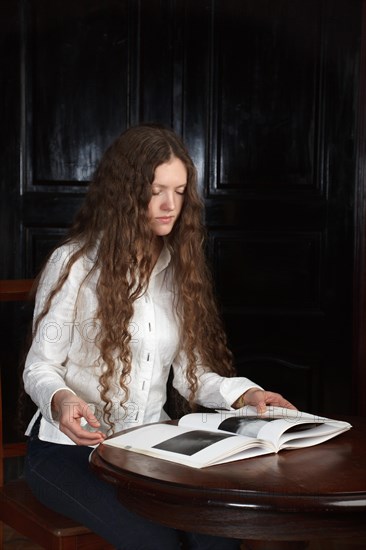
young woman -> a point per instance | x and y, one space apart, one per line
125 298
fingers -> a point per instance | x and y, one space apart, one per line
90 418
78 422
72 427
80 436
261 399
277 400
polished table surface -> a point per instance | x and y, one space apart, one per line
306 494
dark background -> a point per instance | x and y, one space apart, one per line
269 96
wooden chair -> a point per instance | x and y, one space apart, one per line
19 509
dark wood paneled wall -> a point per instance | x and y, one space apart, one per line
359 301
265 93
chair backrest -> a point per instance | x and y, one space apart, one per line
19 509
15 290
11 291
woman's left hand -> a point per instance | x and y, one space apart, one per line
260 399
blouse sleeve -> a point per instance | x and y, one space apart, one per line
214 391
45 363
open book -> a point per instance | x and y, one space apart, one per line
204 439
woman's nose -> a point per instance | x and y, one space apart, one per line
169 202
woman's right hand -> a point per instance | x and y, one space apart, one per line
69 410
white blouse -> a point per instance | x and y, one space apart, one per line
64 354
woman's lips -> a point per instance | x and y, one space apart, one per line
164 219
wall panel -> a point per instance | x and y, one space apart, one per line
280 271
265 95
77 60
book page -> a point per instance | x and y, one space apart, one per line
307 435
277 426
184 445
213 420
248 426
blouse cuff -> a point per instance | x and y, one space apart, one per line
232 388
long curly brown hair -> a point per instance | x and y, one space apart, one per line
114 221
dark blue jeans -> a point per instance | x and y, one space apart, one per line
60 477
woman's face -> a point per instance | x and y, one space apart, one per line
167 196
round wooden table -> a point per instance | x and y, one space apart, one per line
298 495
